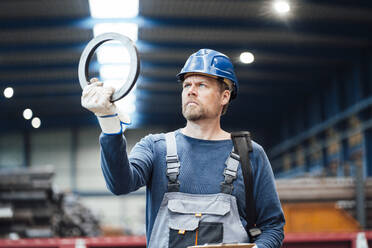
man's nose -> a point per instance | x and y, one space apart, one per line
192 90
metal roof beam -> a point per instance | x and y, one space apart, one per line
284 48
39 8
254 10
197 34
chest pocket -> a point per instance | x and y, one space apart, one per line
196 222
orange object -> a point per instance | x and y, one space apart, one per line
317 217
196 236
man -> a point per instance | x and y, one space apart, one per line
183 170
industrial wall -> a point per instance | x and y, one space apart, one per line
328 132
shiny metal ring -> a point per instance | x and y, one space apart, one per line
89 52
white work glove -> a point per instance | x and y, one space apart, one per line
96 98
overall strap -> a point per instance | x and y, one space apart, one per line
243 145
173 163
230 173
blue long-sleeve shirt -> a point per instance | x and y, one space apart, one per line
201 172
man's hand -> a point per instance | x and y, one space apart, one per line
96 98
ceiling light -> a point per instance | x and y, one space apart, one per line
246 57
8 92
110 72
113 8
128 103
282 7
128 29
113 54
36 122
27 114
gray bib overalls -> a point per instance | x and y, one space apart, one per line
196 219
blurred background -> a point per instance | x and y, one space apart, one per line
305 74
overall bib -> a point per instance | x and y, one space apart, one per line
196 219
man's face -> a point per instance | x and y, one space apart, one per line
202 98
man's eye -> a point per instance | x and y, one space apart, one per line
186 85
202 85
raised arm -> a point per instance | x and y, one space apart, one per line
121 175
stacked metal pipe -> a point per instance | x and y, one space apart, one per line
29 207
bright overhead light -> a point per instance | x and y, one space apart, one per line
113 8
128 103
246 57
128 29
115 60
112 72
36 122
115 83
8 92
27 114
282 7
113 53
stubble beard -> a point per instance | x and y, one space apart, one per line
192 113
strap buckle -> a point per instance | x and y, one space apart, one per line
173 165
172 159
174 187
172 162
227 188
230 175
235 156
232 164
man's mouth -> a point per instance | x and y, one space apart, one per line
191 103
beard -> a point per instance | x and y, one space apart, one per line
193 113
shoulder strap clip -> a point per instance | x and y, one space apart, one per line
173 162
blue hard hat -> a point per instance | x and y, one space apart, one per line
210 62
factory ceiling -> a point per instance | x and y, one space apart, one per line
295 56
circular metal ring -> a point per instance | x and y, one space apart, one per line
134 62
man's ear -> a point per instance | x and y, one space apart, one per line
226 94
